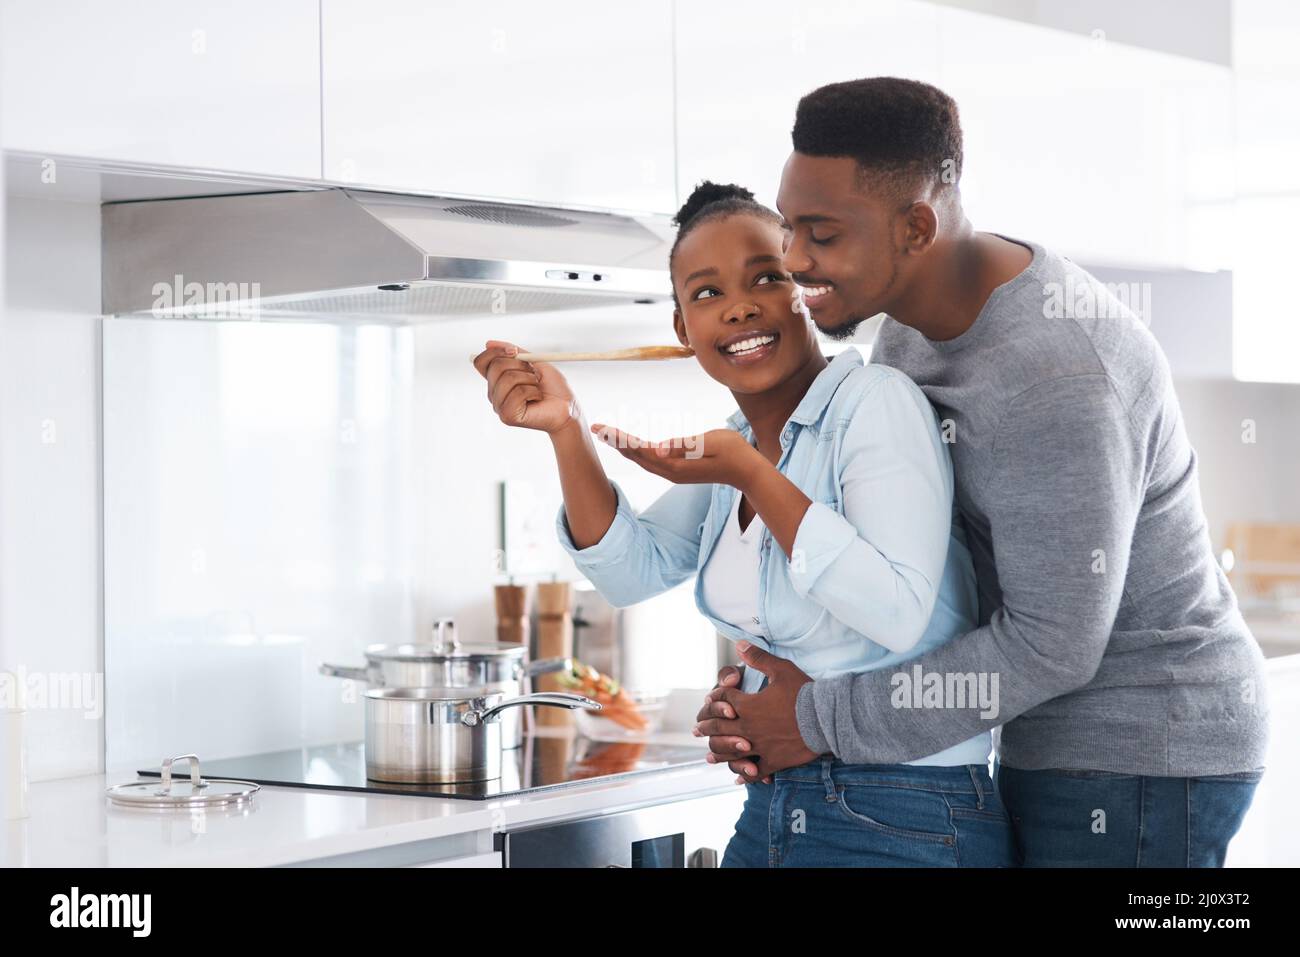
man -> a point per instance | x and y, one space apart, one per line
1130 690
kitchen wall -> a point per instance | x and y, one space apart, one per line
1248 449
49 476
257 522
466 451
282 494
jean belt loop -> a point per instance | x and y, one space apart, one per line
979 788
829 783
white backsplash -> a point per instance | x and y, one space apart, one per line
257 522
278 495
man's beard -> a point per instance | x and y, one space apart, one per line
849 327
845 330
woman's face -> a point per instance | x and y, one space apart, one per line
731 288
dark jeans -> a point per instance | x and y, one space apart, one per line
830 814
1082 818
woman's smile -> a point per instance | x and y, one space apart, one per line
748 349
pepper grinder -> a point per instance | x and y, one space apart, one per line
554 640
512 613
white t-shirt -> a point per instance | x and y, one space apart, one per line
729 579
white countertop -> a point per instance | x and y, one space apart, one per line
72 824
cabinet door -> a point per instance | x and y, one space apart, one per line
231 85
1266 74
742 66
502 98
1094 148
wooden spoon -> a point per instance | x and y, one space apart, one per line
639 352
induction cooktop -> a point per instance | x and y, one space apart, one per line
547 759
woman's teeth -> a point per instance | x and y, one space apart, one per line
749 345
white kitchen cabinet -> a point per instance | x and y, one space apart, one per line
502 98
742 66
231 86
1266 73
1188 311
1108 153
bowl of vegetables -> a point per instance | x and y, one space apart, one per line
624 713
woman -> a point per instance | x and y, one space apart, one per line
842 465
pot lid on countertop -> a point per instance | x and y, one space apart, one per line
194 793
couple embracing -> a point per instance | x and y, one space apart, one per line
995 523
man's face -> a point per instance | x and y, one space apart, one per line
841 245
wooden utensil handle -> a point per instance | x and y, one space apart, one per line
637 353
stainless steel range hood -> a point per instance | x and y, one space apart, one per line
348 254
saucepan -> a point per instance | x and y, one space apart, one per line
447 662
444 735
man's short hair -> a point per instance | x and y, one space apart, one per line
903 133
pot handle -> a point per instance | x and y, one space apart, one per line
345 671
196 779
444 635
559 699
545 666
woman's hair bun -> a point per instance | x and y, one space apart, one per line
706 193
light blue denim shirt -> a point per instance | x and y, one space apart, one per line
879 572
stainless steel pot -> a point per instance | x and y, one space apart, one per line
447 662
444 735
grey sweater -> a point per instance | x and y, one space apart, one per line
1107 629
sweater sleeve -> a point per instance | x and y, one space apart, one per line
1064 493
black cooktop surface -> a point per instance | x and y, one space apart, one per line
547 759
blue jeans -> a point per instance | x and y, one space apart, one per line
830 814
1081 818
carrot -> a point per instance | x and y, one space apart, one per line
617 704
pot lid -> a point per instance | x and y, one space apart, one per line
196 792
445 644
423 651
470 693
